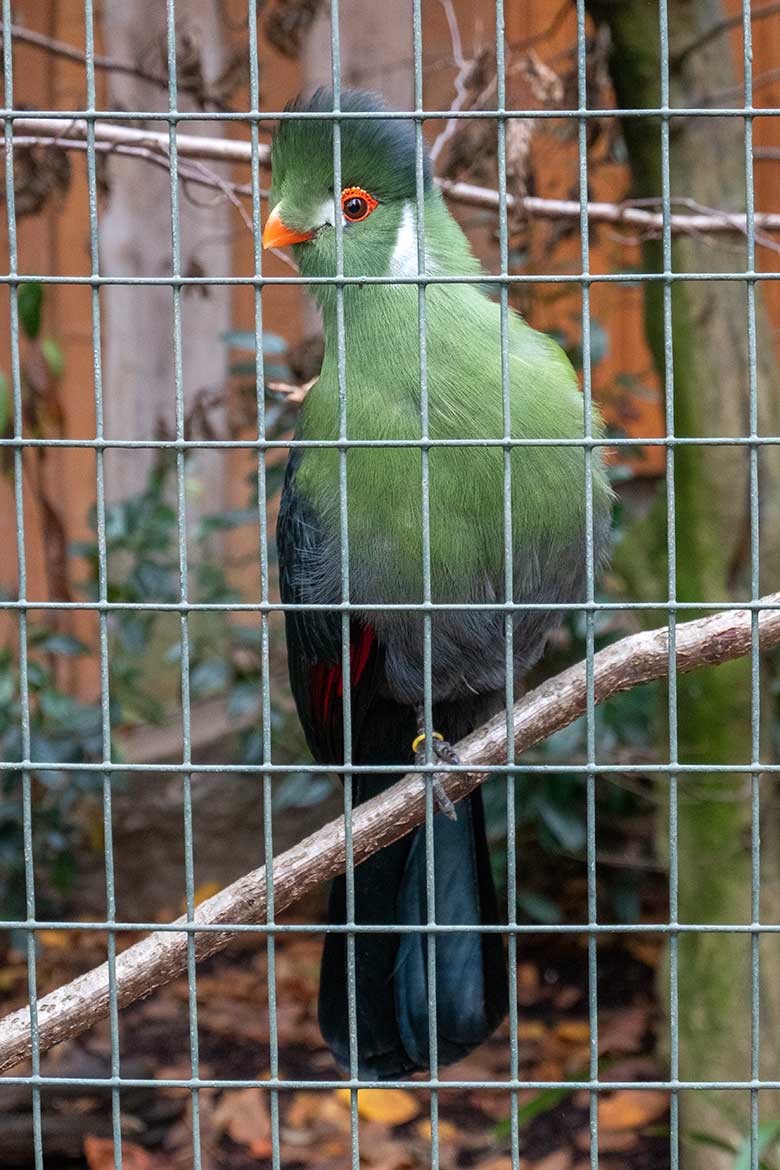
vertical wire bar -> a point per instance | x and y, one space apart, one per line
755 573
425 499
181 519
346 669
24 682
509 661
100 533
582 146
262 508
671 554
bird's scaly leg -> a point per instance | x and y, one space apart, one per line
441 750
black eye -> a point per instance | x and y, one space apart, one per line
355 207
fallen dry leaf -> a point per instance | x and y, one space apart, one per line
309 1113
388 1106
99 1153
242 1114
381 1151
624 1030
447 1131
472 1068
261 1149
11 975
531 1031
56 939
632 1108
527 983
234 1019
204 891
646 950
616 1141
566 998
557 1160
573 1031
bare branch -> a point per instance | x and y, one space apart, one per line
110 64
59 132
461 89
162 956
188 145
197 173
723 26
562 14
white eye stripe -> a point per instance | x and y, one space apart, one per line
326 213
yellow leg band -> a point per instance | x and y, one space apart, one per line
421 739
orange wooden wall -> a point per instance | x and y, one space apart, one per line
57 242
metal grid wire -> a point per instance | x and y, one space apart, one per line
265 607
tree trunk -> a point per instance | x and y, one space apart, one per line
135 234
712 484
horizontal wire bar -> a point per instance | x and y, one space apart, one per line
263 607
385 769
602 1086
173 116
413 444
518 928
487 278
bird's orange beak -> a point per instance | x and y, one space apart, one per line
277 234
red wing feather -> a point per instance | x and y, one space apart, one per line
326 679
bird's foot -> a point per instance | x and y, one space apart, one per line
444 751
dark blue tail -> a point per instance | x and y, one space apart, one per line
391 970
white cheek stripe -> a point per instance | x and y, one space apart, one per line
403 261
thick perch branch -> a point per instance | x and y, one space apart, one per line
153 145
158 959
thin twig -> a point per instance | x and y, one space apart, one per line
719 97
722 26
563 13
461 89
56 132
57 48
198 173
163 955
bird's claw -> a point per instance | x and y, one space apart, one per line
442 801
445 752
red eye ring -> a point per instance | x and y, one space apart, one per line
357 204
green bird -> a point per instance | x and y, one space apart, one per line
469 540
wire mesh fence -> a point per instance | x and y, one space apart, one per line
266 605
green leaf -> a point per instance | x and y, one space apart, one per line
565 825
301 790
30 308
7 688
708 1139
768 1135
225 521
246 635
538 908
53 356
543 1102
209 678
243 698
54 643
